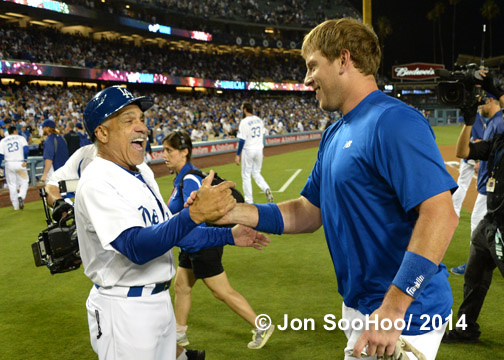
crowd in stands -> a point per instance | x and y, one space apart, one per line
298 13
206 117
48 45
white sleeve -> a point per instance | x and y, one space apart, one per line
242 131
74 165
23 142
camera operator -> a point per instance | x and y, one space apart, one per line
490 109
483 257
467 167
72 170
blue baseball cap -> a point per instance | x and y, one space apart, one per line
49 123
109 101
488 95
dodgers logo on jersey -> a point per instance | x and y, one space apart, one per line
147 217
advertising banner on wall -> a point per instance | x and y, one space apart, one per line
415 71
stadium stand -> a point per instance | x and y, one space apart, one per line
50 46
208 116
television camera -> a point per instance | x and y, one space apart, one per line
57 246
458 88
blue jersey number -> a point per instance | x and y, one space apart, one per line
256 131
12 147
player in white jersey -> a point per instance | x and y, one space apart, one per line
250 152
72 171
126 233
14 151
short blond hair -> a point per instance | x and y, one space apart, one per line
332 36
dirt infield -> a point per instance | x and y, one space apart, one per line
448 153
161 170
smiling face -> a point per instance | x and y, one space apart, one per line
122 137
323 76
174 159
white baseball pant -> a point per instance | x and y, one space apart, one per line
16 176
479 211
251 165
131 328
427 344
466 173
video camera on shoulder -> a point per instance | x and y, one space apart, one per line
458 87
57 246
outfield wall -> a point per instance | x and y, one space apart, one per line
205 148
208 148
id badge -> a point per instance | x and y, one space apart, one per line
490 185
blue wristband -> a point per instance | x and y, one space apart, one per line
414 274
270 219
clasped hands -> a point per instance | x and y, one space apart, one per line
210 203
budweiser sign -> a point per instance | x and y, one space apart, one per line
417 71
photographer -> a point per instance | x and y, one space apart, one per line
72 170
490 109
466 167
483 257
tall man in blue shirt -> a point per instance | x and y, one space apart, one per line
380 189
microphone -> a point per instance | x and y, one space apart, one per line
443 73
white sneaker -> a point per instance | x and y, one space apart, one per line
182 340
269 195
260 337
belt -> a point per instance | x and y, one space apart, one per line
135 291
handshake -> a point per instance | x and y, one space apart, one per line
211 203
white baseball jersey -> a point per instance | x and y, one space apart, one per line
11 147
110 200
75 165
252 131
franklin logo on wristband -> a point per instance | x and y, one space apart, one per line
407 278
418 282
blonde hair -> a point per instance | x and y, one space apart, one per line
332 36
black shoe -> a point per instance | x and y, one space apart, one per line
195 354
458 336
21 203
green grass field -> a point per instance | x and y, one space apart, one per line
44 317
